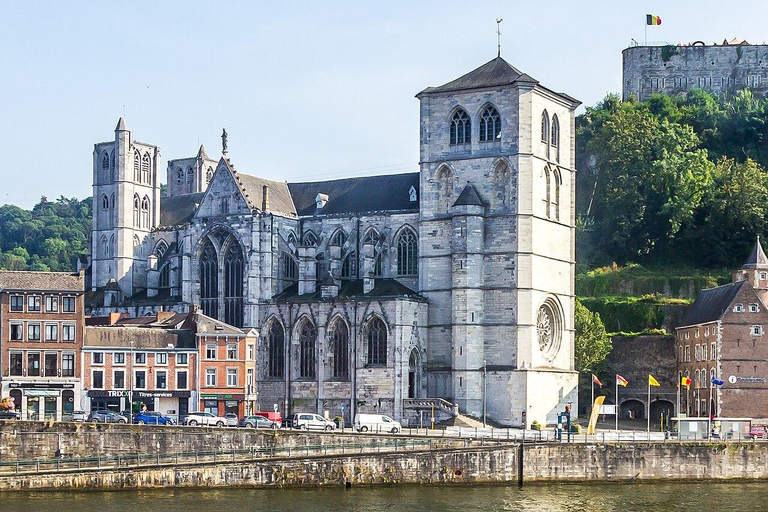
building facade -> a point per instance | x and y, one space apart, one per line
41 338
671 70
454 282
723 338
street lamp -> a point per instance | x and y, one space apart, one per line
485 388
130 387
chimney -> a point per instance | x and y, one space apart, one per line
265 198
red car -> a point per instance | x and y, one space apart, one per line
757 433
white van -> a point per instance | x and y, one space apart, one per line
376 423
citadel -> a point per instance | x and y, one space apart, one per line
455 281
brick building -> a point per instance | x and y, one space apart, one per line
41 337
723 336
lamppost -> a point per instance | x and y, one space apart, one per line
485 388
130 387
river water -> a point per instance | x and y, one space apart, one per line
646 497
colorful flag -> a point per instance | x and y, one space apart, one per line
621 381
686 381
595 380
716 382
652 381
650 19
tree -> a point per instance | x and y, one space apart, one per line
592 344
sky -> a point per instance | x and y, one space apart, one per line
307 91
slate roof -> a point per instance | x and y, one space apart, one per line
495 73
351 195
41 281
711 304
122 336
252 187
757 258
382 288
208 325
469 197
177 210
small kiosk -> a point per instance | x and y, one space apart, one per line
697 428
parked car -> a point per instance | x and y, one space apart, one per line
376 423
9 415
79 416
230 419
257 422
757 433
275 416
153 418
204 418
308 421
105 416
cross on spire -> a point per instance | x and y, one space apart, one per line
498 36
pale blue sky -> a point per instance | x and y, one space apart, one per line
306 90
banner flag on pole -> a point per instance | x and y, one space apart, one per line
686 381
621 381
595 380
716 382
652 381
595 414
650 19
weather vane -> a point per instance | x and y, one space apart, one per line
498 35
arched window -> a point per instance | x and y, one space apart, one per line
145 168
180 176
339 238
104 202
490 125
160 249
209 174
111 247
378 265
233 284
105 164
555 138
136 210
290 269
292 243
145 212
371 236
310 239
407 254
340 347
209 280
114 166
190 175
104 247
307 337
275 350
547 192
545 127
137 247
461 128
114 209
502 182
376 335
349 266
556 179
444 177
136 165
165 276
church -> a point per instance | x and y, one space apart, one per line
370 293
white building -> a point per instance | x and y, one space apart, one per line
455 282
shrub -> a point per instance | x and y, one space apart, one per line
535 425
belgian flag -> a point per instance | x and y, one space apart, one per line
650 19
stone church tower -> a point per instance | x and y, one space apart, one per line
497 243
126 207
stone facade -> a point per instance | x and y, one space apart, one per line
454 282
673 70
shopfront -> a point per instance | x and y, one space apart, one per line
221 404
171 403
39 401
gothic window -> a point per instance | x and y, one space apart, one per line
165 276
209 174
556 179
490 125
111 247
461 129
310 239
136 165
209 280
371 237
555 138
339 238
501 180
275 350
349 266
233 284
105 164
114 165
137 248
321 266
376 337
545 127
444 180
547 193
104 202
290 269
378 270
307 337
145 212
340 348
104 247
180 176
136 210
160 249
145 168
407 254
190 175
292 241
114 209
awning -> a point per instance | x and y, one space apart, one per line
41 392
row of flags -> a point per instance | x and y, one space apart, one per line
621 381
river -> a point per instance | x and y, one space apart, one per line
645 497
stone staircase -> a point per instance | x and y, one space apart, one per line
446 413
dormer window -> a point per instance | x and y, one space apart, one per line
753 308
738 308
412 194
320 200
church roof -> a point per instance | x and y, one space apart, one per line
177 210
757 258
202 154
366 194
469 197
711 304
382 288
120 125
495 73
252 187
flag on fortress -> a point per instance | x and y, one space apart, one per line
686 381
716 382
652 381
595 380
650 19
621 381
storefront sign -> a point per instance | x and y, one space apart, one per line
751 380
221 397
139 394
40 385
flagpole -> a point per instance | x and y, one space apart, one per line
617 409
678 401
592 377
648 411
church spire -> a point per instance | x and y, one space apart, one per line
121 125
757 258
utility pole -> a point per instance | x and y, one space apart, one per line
485 389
